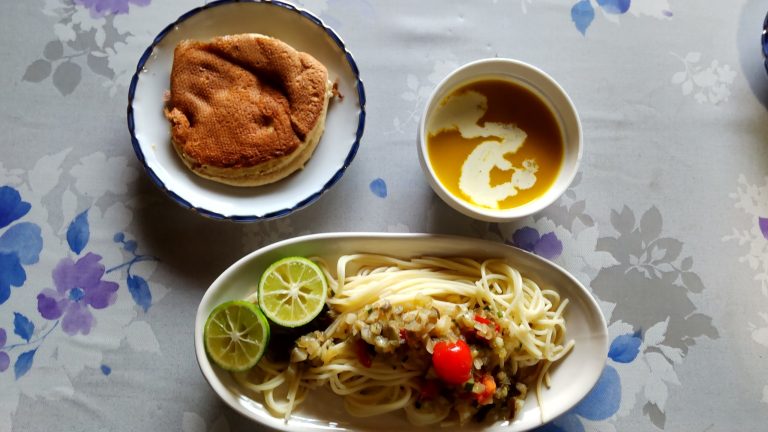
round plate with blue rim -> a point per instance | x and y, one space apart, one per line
150 131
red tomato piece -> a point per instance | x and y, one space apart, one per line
363 355
452 361
486 396
486 321
482 320
429 390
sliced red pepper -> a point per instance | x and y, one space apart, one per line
363 355
486 321
404 335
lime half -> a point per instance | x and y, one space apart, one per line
236 335
292 291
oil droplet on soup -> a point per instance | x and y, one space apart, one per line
495 144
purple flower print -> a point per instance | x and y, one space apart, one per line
763 224
101 8
4 359
78 286
547 246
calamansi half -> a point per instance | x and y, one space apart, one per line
236 335
292 291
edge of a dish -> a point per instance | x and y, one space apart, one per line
201 314
278 213
764 42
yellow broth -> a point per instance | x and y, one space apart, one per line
507 103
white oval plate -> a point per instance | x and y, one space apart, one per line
572 378
150 131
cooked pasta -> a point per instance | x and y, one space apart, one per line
392 318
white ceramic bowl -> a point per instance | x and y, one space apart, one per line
549 91
571 378
150 131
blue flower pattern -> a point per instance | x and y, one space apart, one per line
81 287
583 11
20 245
625 348
604 399
379 188
547 245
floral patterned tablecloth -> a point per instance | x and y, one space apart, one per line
667 222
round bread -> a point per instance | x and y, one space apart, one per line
246 110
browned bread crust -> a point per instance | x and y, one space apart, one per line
243 102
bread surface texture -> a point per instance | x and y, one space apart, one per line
246 109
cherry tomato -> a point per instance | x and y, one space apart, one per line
452 361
